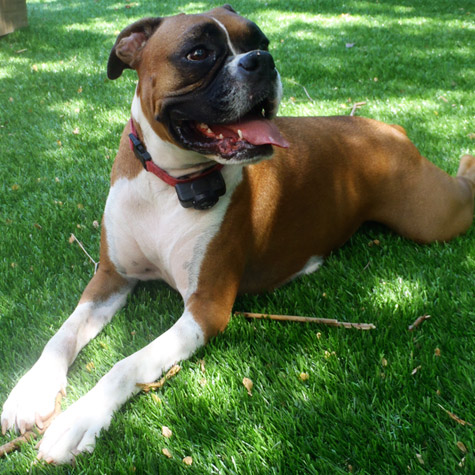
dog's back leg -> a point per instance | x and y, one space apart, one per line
422 202
32 400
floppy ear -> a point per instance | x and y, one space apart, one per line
127 50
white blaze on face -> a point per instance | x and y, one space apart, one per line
230 44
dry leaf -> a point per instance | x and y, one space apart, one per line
80 90
173 371
167 453
71 239
166 432
303 376
152 386
90 366
384 362
156 398
188 460
420 459
202 365
462 447
15 187
76 131
437 352
248 384
418 321
462 462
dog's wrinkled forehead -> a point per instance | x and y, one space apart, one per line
219 26
243 34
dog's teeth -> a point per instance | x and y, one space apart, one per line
240 133
203 126
220 136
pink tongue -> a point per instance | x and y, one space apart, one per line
256 132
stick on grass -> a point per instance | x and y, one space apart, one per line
80 244
455 417
321 321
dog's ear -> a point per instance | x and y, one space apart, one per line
229 7
128 46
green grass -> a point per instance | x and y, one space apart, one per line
355 412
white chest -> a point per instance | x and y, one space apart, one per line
151 236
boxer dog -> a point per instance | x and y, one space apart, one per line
215 195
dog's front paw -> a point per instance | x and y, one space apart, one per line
32 400
75 430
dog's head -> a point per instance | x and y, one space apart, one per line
206 82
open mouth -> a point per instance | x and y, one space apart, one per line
249 137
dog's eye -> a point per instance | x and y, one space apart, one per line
198 54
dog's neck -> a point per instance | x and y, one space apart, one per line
173 160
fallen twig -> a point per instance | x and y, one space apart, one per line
322 321
146 387
357 105
307 94
74 238
16 443
454 417
418 321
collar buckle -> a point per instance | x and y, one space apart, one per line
139 150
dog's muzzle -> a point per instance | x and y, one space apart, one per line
230 118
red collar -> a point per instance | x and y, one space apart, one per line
141 153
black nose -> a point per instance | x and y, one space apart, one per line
258 62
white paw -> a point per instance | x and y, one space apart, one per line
32 400
75 430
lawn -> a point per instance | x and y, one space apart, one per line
375 401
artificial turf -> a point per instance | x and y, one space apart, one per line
374 402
